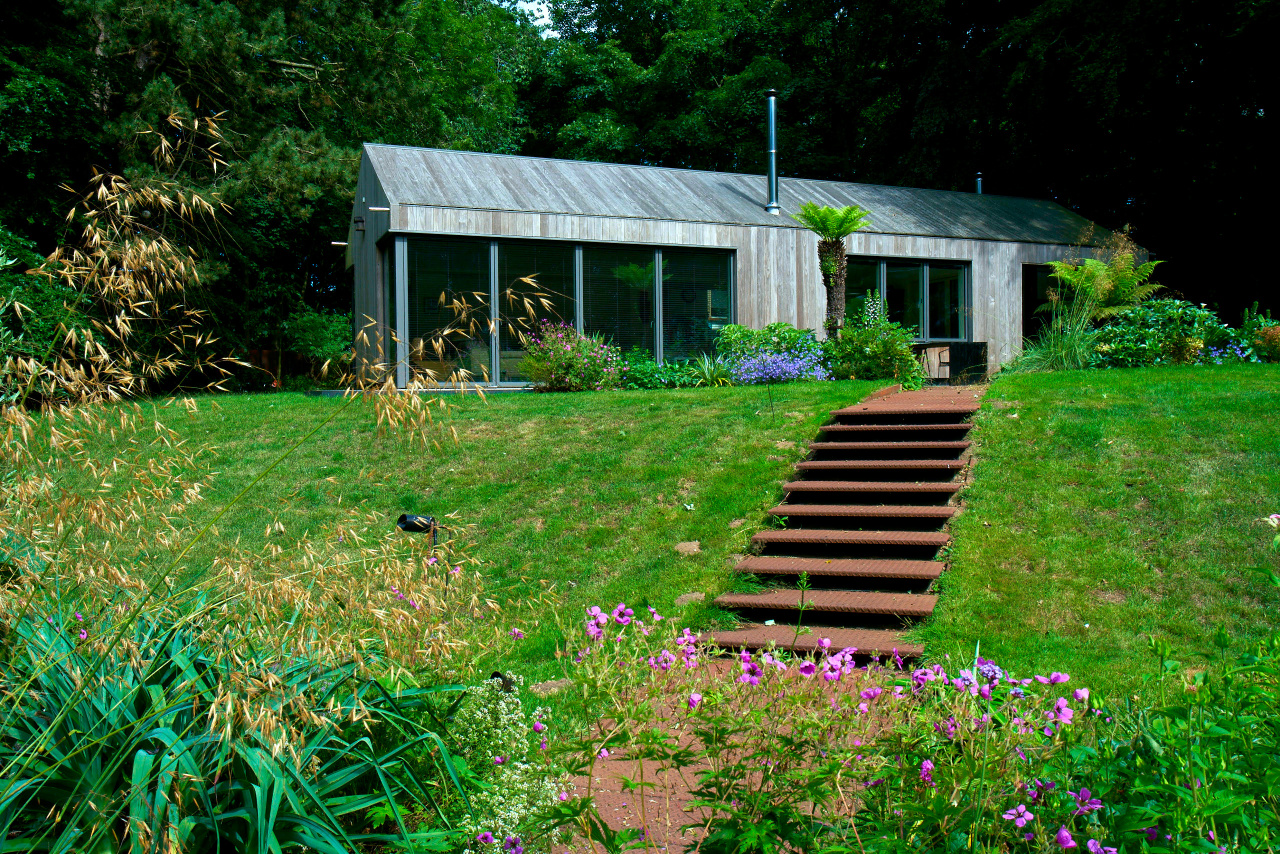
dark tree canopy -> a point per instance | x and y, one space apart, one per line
1156 113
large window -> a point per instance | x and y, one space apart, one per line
449 309
535 282
617 295
670 302
695 301
929 297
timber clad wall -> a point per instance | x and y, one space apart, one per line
776 276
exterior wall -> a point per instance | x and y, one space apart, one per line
776 276
363 250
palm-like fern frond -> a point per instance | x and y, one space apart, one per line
831 223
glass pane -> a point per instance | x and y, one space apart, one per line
449 309
1036 283
859 278
946 297
387 344
902 294
521 304
695 301
617 295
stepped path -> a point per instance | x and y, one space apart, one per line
865 519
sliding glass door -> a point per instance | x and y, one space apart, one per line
931 298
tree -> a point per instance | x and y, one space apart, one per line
832 225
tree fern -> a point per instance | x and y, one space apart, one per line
832 226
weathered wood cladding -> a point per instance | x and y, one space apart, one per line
776 276
365 253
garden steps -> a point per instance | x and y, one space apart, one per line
866 586
865 641
842 601
865 511
913 570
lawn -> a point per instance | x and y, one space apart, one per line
581 497
1108 506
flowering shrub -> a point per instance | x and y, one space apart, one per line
737 343
1169 331
871 347
640 371
1266 343
503 747
822 752
779 368
559 358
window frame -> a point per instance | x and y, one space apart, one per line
401 249
966 291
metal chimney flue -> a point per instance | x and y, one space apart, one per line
979 183
772 206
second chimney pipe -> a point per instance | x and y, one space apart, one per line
979 183
772 206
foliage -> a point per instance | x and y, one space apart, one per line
872 347
738 343
324 339
779 368
504 749
640 371
832 225
120 734
711 371
1067 343
1262 332
1108 287
1168 331
559 358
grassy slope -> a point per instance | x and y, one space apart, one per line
585 491
1127 500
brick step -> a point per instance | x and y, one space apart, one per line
945 467
852 538
912 570
933 487
866 641
902 511
946 412
886 446
885 428
839 601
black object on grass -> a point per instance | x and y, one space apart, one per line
418 525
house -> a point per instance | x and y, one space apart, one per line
662 258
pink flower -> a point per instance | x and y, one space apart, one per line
79 619
564 796
1061 712
694 699
84 634
516 633
1081 695
498 760
622 614
1064 839
807 669
485 838
455 570
1096 847
1019 815
657 618
926 772
539 726
603 754
872 693
1085 802
824 643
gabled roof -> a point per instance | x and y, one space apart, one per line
498 182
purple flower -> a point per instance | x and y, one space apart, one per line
1081 695
926 772
84 634
1085 804
1096 847
516 633
622 614
512 844
485 838
603 754
751 672
769 660
872 692
539 726
1053 678
989 671
663 661
694 699
498 760
79 619
1019 815
1064 839
1061 712
564 796
807 669
653 613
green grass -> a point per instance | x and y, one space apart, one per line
582 495
1116 505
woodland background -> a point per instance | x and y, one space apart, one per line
1159 114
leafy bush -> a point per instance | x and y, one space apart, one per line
115 736
1168 331
640 371
780 368
871 347
1068 342
559 358
1109 286
1266 343
323 339
711 371
737 343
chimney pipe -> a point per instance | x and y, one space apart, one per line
979 183
772 206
